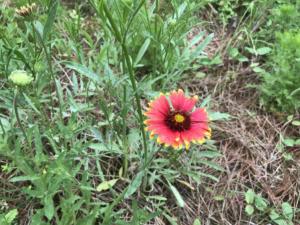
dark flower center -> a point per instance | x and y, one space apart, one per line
178 121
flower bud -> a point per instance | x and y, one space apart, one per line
20 78
27 10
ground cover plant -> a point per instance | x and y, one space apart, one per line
149 112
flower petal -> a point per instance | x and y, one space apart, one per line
182 103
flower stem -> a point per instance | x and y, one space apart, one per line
131 76
18 117
2 128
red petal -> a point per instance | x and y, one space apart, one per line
199 116
182 103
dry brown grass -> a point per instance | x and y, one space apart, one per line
249 144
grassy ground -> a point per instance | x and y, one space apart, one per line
76 155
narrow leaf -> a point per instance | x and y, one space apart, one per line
83 70
49 207
24 178
50 19
135 184
105 185
177 195
142 51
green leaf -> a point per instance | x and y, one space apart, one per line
49 207
199 49
28 100
242 58
263 51
260 203
50 19
287 210
135 184
275 217
289 142
105 185
142 51
38 27
24 178
171 220
219 116
197 222
233 52
196 39
211 165
208 154
5 123
296 123
39 155
81 69
205 101
219 198
297 142
11 215
177 195
208 176
249 210
249 196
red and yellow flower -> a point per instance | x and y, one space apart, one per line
175 121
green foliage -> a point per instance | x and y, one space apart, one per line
280 88
286 16
256 204
9 217
71 139
156 35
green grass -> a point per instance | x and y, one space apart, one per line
73 145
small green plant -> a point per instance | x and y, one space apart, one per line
285 17
280 88
256 204
9 217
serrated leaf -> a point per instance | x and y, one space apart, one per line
105 185
249 210
249 196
